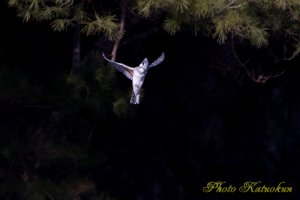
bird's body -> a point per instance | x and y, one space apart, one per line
137 74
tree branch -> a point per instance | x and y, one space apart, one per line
256 77
121 31
76 48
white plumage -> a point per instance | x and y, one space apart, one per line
136 74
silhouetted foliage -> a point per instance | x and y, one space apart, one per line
223 107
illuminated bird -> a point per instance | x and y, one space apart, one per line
136 74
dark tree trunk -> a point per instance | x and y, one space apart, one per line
76 48
122 28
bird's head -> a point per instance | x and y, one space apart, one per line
144 64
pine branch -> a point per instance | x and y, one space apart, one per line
171 26
121 31
147 7
256 77
61 24
50 13
182 5
296 52
104 25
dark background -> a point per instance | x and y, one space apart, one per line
201 119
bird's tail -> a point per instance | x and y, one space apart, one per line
135 99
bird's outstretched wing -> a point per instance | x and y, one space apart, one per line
157 61
126 70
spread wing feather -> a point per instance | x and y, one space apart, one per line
126 70
157 61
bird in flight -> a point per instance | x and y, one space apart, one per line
135 74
